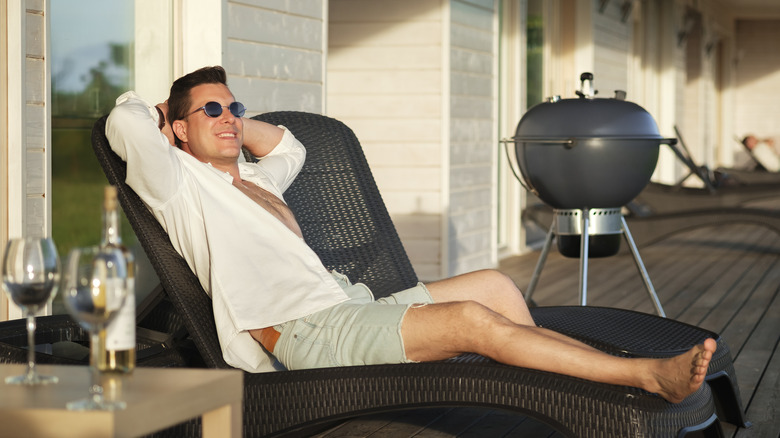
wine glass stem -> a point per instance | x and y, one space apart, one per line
30 343
95 389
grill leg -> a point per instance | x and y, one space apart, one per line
642 271
540 263
584 258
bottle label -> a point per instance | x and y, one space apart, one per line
120 333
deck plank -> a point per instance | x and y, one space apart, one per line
757 367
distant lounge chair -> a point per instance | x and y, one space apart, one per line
344 220
724 188
661 210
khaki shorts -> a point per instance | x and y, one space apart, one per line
360 331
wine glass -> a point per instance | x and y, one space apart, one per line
93 288
31 272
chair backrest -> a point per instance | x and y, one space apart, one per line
334 198
338 206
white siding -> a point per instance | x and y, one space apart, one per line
758 78
36 216
385 82
416 82
26 126
274 54
700 99
472 155
612 39
4 140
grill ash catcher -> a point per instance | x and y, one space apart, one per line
587 157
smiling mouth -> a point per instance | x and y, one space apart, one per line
227 135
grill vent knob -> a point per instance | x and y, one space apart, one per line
586 86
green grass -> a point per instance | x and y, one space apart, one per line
77 192
77 215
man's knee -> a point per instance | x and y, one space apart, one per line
497 283
502 295
475 316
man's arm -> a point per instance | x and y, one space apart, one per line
261 138
133 132
164 124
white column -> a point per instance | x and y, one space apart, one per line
203 37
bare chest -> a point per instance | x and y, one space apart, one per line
270 203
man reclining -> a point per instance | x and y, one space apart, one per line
273 298
762 153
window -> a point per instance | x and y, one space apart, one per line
521 69
91 64
534 53
92 57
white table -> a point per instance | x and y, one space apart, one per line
156 398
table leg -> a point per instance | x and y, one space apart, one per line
223 422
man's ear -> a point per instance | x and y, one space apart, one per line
180 129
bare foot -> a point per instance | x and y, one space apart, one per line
677 377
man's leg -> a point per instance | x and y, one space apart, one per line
488 287
494 290
454 326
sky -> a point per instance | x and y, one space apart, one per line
80 33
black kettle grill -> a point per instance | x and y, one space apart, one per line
587 157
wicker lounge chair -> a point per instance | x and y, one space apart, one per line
344 220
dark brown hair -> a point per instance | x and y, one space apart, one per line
179 99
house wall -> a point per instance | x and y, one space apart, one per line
4 141
702 63
387 81
273 51
416 81
679 81
26 160
28 121
274 54
757 79
636 54
612 40
473 118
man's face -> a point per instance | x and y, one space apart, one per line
215 140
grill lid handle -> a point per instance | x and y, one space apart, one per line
586 86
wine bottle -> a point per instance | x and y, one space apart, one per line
117 341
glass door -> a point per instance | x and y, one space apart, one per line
91 65
93 61
521 70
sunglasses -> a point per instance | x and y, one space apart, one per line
214 109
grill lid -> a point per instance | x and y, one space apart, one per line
560 120
586 152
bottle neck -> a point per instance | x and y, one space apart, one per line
111 232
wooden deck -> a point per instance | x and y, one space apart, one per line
725 279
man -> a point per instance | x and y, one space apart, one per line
274 298
762 153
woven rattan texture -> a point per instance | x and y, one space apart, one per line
340 210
